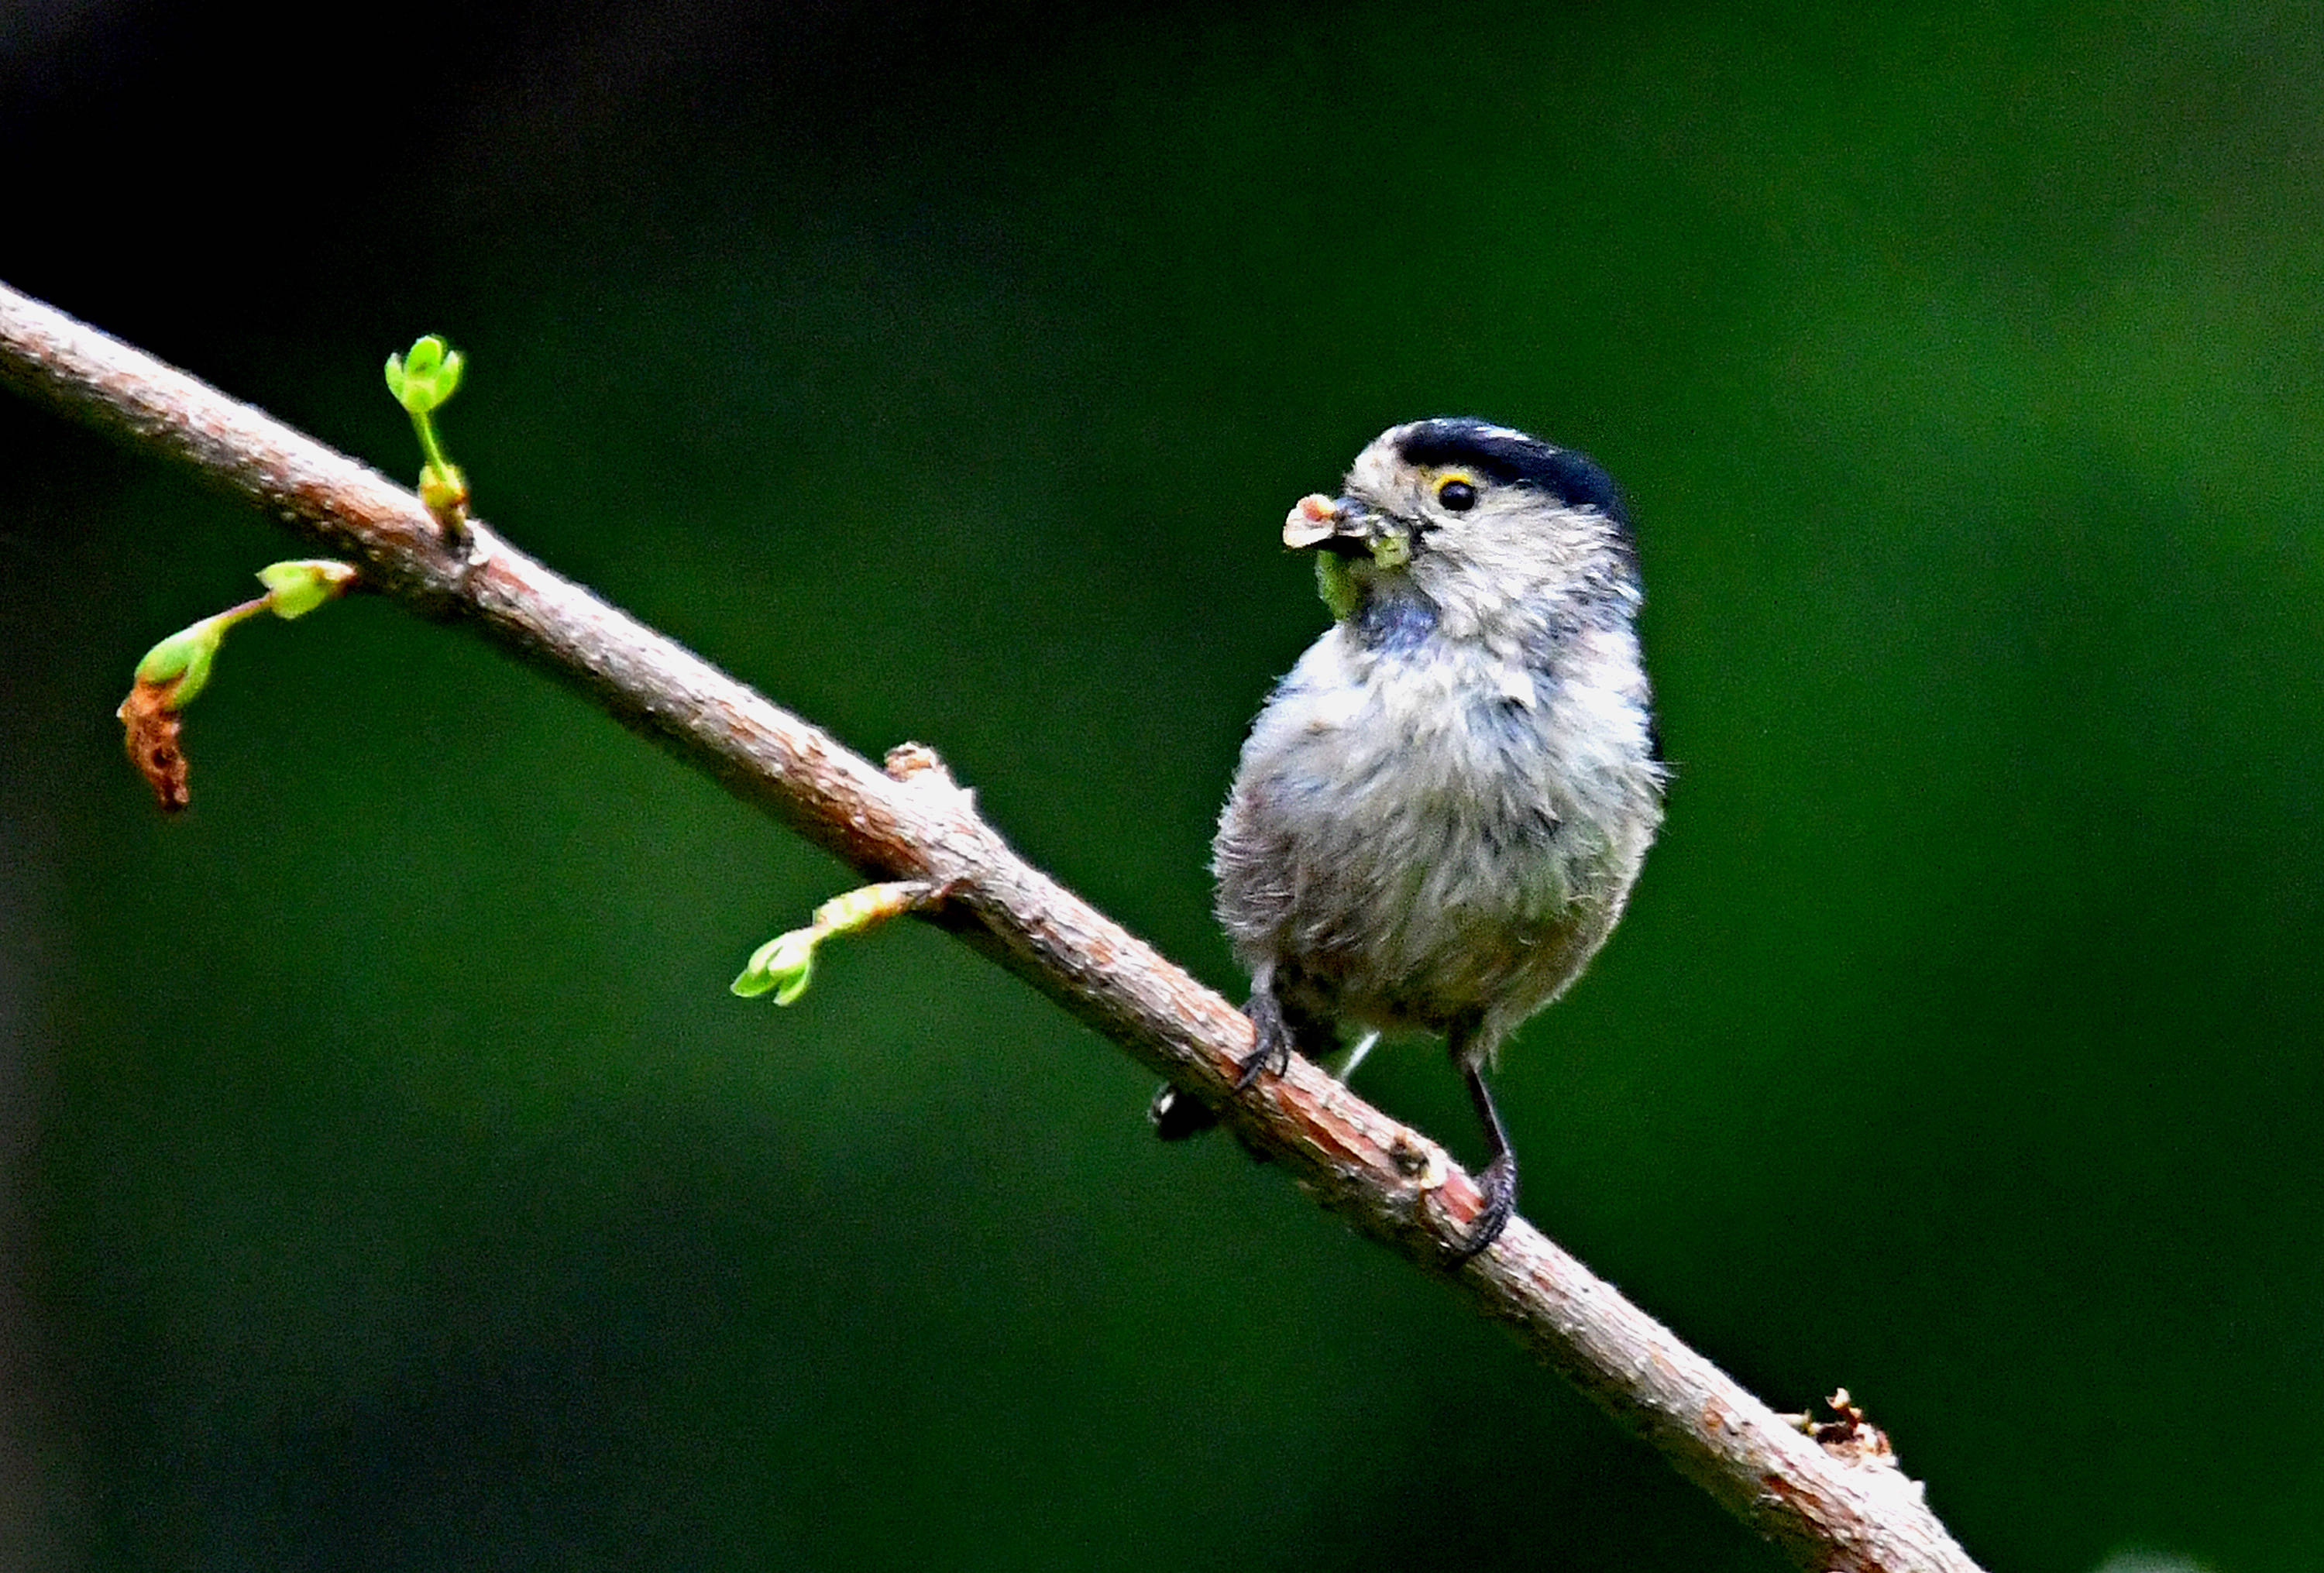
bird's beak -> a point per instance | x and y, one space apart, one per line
1340 525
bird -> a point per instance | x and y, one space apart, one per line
1441 811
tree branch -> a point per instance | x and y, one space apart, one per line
1830 1501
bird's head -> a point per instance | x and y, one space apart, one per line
1477 519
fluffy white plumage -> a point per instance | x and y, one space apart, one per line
1440 812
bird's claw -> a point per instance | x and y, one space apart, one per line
1272 1050
1177 1116
1498 1181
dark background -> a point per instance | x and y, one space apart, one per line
393 1184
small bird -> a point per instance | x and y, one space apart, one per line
1440 812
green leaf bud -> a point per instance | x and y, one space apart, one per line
184 658
296 588
443 488
784 964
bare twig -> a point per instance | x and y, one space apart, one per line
913 823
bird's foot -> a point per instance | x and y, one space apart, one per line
1177 1115
1272 1051
1498 1182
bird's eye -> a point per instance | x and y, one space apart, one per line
1459 496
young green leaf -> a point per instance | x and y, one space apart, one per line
422 379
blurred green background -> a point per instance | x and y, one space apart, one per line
393 1184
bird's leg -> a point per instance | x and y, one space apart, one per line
1498 1179
1273 1028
